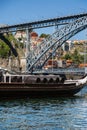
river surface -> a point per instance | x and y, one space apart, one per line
66 113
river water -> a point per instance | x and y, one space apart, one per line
66 113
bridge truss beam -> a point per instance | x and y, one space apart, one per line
42 23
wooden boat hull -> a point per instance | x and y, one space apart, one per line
39 89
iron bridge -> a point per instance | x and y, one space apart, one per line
38 57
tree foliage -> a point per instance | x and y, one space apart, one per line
4 50
67 56
75 57
43 35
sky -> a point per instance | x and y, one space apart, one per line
22 11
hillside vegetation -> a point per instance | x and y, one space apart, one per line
5 51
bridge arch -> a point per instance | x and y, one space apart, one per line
46 48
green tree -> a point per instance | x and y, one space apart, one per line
67 56
43 35
4 50
76 57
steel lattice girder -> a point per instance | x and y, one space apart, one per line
42 53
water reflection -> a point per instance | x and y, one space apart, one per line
67 113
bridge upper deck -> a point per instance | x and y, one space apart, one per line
41 23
